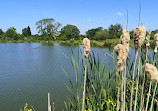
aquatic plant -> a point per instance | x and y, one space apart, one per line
86 47
146 53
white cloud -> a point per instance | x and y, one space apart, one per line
120 14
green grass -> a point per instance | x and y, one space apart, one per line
101 89
109 43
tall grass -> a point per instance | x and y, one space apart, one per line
102 84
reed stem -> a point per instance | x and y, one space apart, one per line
137 81
136 53
84 89
150 84
153 97
148 96
155 85
122 94
118 91
142 93
124 87
49 106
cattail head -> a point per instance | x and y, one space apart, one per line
148 39
125 37
86 46
139 36
124 40
151 71
156 39
148 36
121 56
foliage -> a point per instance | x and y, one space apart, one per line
1 32
153 33
69 32
101 35
11 33
115 31
26 108
102 82
26 31
48 27
91 33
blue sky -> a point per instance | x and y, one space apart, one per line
85 14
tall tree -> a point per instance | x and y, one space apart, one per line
115 31
39 25
101 35
69 32
48 27
90 33
11 33
26 31
1 32
153 33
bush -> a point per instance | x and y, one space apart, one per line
11 33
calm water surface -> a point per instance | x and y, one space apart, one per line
28 71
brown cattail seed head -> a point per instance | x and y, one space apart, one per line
86 46
151 71
124 40
121 56
156 39
139 36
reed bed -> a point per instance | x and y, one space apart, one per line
102 85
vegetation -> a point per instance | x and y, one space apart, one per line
26 31
26 108
101 89
48 30
69 32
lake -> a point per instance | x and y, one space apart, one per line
28 71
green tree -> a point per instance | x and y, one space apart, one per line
1 32
48 27
26 31
131 34
11 33
153 33
101 35
90 33
69 32
115 31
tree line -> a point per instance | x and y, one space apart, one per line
48 29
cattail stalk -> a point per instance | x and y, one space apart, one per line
122 92
153 78
155 51
124 88
124 40
146 53
148 96
118 91
120 51
86 46
137 81
139 36
155 85
153 97
136 53
84 89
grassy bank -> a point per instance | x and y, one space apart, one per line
109 43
